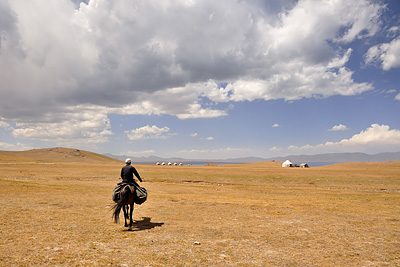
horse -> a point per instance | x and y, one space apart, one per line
126 203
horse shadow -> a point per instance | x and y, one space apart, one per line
144 224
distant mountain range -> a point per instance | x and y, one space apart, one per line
328 157
343 157
60 154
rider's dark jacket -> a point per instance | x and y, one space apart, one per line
127 173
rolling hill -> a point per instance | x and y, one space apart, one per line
57 154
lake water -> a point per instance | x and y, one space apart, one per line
310 164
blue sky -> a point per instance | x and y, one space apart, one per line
200 79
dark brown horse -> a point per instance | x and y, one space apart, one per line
126 203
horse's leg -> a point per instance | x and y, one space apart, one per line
125 207
131 216
127 211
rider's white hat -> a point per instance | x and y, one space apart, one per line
128 160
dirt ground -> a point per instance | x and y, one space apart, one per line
233 215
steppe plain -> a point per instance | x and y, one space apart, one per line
56 211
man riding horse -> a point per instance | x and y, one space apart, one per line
126 193
127 173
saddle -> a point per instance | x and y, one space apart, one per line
141 192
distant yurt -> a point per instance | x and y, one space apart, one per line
287 163
304 165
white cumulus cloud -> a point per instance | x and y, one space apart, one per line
148 132
5 125
376 138
275 149
140 153
14 147
374 135
387 55
339 127
71 128
212 153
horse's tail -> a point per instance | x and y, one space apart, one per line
118 206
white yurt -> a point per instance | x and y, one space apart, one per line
287 163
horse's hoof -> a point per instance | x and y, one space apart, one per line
130 228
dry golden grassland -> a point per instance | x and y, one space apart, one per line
233 215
